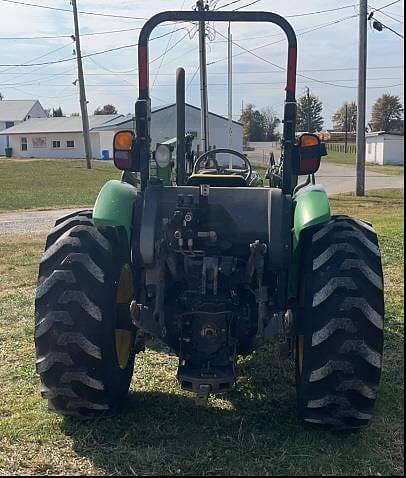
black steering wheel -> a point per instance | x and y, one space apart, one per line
208 162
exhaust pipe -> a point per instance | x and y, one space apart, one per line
180 128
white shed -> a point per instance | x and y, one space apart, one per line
163 128
59 137
384 148
13 112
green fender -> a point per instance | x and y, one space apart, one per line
114 205
311 207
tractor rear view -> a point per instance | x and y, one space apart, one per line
213 268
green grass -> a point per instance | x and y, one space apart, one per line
349 159
251 431
28 184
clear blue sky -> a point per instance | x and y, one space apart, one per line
112 77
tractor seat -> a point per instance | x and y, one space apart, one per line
219 180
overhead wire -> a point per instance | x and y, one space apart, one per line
304 32
132 45
248 5
166 50
83 12
50 37
283 68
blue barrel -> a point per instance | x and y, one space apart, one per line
105 154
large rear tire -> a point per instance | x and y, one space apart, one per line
340 343
83 333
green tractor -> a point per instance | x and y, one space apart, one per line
212 268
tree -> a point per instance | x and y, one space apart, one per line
339 117
271 122
57 112
259 125
106 110
75 114
387 113
309 118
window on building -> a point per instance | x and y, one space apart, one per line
23 144
39 142
56 144
70 144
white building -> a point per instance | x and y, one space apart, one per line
384 148
13 112
163 128
59 137
63 138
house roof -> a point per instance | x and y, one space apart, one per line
383 133
161 108
64 124
114 122
124 119
15 110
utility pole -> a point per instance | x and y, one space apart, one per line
204 114
308 109
230 94
346 128
362 80
83 102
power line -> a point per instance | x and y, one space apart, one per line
283 68
239 72
10 67
385 26
67 10
388 5
166 50
260 83
320 11
248 5
304 32
228 4
50 37
299 14
391 17
63 60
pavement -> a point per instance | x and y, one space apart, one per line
335 178
342 179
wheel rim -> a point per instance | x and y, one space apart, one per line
124 337
300 352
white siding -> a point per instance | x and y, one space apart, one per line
163 127
385 149
374 149
37 111
4 142
3 139
106 142
49 152
394 150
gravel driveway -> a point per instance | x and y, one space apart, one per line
336 179
26 222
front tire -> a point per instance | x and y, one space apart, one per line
83 333
340 343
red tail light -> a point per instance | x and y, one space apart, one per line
125 153
308 154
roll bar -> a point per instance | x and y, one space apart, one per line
143 108
213 16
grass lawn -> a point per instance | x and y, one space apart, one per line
349 159
251 431
28 184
